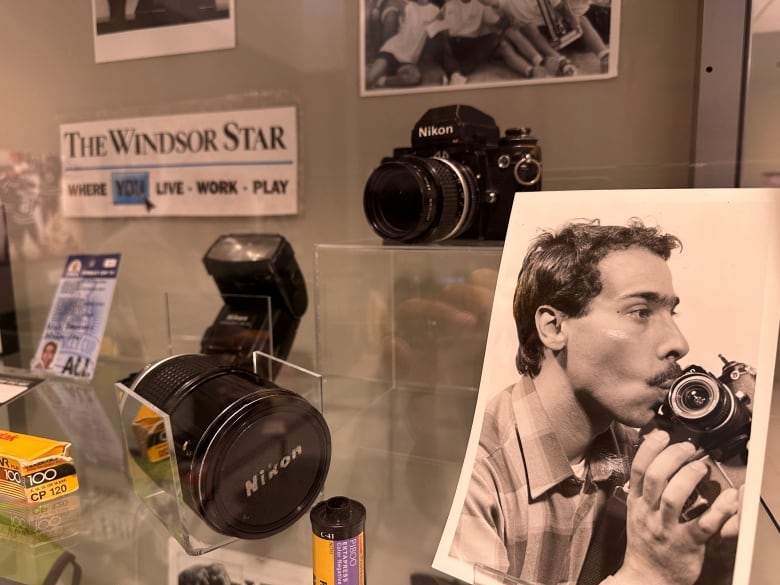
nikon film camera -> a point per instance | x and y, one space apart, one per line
712 413
456 181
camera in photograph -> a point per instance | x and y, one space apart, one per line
456 181
713 413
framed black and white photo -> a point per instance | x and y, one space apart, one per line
409 46
724 308
135 29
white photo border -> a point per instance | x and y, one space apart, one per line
140 43
727 274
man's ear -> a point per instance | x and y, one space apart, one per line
549 321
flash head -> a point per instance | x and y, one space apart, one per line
257 265
247 267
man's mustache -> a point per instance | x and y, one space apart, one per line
671 373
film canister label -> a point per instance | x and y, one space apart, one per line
338 542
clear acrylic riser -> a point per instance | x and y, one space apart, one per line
404 315
401 333
192 319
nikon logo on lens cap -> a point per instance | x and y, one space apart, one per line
252 456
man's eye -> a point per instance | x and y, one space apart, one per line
643 313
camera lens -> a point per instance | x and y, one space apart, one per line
700 401
414 199
696 398
252 457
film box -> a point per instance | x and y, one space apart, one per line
149 430
34 469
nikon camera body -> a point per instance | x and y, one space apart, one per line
713 413
456 181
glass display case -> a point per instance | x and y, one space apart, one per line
394 335
398 432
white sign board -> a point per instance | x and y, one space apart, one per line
232 163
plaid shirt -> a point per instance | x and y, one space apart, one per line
526 513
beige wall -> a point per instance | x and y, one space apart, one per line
631 131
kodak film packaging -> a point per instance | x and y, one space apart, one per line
149 430
35 469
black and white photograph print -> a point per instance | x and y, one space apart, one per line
429 45
622 414
30 194
134 29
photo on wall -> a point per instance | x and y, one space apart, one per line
429 45
135 29
30 192
625 391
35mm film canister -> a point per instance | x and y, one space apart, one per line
338 526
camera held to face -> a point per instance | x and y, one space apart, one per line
456 181
712 413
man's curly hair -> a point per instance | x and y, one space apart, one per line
561 269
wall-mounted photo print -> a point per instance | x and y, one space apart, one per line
622 413
429 45
30 192
134 29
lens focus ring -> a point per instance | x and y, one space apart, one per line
456 199
415 199
159 382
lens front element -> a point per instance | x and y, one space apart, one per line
414 199
698 400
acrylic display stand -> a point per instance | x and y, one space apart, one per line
401 333
157 483
190 318
404 315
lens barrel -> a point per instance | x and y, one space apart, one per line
252 457
415 199
700 401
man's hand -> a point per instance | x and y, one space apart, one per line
662 550
436 334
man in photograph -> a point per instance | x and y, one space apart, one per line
594 308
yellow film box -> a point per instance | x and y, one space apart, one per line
149 430
35 469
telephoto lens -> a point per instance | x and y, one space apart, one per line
252 457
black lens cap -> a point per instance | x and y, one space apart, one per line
261 464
